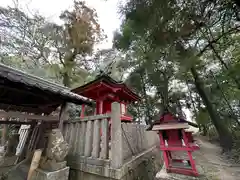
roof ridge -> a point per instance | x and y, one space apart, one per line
21 72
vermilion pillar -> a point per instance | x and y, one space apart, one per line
82 111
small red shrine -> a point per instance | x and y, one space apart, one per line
174 138
105 90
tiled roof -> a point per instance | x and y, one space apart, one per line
63 92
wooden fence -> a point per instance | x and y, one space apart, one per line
97 148
88 136
136 139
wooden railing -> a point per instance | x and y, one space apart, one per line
88 136
24 118
89 139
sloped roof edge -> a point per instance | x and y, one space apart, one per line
19 76
107 79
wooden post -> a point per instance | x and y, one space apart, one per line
82 110
95 111
96 138
78 139
4 134
77 136
82 138
125 106
162 144
35 162
100 107
71 137
104 139
193 165
88 140
62 116
116 137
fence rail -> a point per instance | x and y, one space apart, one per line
88 136
95 144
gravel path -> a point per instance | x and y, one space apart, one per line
210 164
210 159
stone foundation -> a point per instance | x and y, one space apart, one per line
163 175
61 174
142 167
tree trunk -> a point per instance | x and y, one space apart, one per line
148 120
191 98
223 132
180 112
165 92
4 134
204 129
66 79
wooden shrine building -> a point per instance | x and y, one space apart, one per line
27 99
174 140
30 94
27 93
105 90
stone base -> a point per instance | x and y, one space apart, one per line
61 174
51 165
163 175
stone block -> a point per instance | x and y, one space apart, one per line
163 175
57 148
51 165
61 174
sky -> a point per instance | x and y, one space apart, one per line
107 11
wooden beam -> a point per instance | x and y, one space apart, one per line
168 126
16 122
7 106
19 115
90 118
51 105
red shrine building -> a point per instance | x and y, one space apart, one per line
175 139
104 91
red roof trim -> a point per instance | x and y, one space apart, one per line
106 80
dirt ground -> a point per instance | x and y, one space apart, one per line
210 163
214 166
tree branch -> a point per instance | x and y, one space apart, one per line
217 39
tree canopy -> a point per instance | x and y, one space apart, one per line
187 43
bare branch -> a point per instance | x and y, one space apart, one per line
233 30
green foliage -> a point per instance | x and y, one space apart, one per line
178 42
81 28
202 117
33 42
